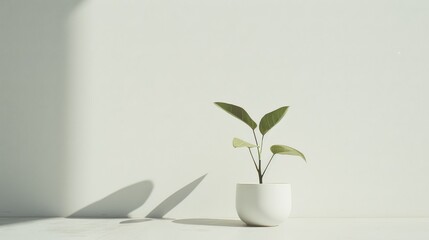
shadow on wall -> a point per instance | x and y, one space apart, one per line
118 204
33 89
122 202
33 115
172 201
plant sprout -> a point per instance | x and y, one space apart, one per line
267 122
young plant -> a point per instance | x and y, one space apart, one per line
267 122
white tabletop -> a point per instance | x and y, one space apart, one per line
219 229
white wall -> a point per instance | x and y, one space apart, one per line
141 77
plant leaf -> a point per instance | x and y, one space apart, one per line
236 142
270 119
237 112
286 150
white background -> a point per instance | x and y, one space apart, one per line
130 86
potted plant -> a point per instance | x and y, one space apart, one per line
261 204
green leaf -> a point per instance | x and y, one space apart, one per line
285 150
236 142
270 119
237 112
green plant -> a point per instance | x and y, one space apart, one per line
267 122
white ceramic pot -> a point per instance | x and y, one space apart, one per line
263 204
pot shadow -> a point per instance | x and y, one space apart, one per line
212 222
175 199
118 204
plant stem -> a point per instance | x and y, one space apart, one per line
254 162
262 144
267 165
259 158
261 175
257 144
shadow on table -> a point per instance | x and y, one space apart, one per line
212 222
142 220
15 220
135 221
